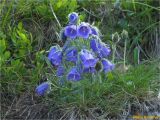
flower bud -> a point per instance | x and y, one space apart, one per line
115 37
42 88
73 18
124 34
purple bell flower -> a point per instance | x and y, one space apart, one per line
60 71
71 54
84 30
73 18
89 70
99 48
93 45
42 88
55 56
94 30
74 75
87 58
71 31
104 51
107 65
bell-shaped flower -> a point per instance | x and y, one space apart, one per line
107 65
89 70
94 45
60 71
87 58
55 56
72 54
71 31
103 50
99 48
73 18
84 30
42 88
74 75
94 30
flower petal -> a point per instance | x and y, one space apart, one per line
74 75
71 31
42 88
107 65
84 30
73 18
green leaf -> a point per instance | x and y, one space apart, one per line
110 76
2 46
7 55
2 35
59 4
43 10
123 23
136 55
22 35
22 52
20 26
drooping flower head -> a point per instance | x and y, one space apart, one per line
71 31
83 30
89 70
73 18
72 54
94 45
107 65
87 58
60 71
74 75
94 30
42 88
100 48
55 56
104 50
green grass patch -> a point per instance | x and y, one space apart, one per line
116 91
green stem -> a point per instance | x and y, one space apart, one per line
55 15
124 56
99 76
134 5
114 52
83 96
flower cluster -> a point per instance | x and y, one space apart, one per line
82 51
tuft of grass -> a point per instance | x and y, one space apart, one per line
117 90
